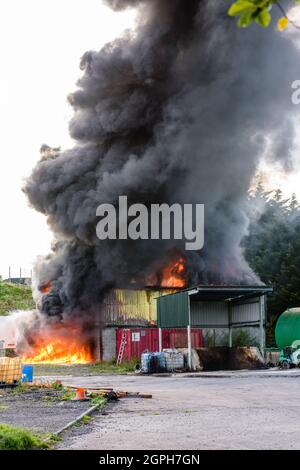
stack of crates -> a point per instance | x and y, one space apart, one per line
10 368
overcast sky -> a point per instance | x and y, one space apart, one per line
41 42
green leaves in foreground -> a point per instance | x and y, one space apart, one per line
249 11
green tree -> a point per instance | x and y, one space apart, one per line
272 248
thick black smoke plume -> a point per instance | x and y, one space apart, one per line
179 110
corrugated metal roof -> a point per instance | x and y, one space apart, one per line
225 292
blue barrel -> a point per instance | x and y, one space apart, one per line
153 362
27 373
160 361
147 359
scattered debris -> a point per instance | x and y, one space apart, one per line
86 393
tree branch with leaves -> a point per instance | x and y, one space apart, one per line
259 11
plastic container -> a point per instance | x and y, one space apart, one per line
174 359
160 361
27 373
147 362
10 370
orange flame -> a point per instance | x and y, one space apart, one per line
46 288
174 274
59 346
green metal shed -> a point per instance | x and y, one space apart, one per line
226 307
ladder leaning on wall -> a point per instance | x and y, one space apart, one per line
122 348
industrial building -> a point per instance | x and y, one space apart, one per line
194 317
211 308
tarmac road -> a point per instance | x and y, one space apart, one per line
257 410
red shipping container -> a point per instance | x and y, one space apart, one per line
139 340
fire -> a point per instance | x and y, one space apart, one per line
45 289
59 346
173 275
56 352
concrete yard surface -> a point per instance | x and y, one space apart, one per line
254 411
41 410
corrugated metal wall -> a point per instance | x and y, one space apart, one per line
173 310
209 313
246 312
126 307
140 340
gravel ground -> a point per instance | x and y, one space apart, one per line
232 411
39 410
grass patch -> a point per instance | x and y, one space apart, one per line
97 399
15 297
112 367
54 438
22 388
107 367
53 392
86 419
12 438
57 385
68 395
